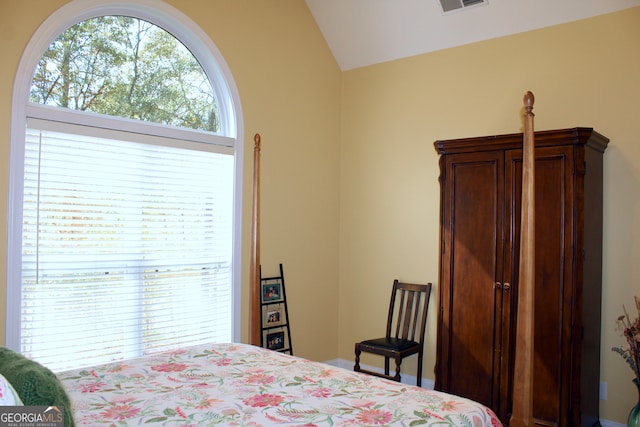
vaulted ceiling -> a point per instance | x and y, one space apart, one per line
366 32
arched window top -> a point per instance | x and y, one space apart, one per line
127 67
159 14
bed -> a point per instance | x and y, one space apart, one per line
246 385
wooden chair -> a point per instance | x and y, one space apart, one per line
405 330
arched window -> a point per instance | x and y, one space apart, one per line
125 186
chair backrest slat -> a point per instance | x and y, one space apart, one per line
416 313
400 310
408 313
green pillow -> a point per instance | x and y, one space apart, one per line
35 384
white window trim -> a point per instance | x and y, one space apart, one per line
211 60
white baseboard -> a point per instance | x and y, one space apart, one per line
426 383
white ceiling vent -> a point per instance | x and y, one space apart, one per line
451 5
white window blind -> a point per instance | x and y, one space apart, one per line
127 247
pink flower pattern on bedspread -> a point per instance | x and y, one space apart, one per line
243 385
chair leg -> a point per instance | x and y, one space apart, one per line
356 367
419 380
386 366
398 362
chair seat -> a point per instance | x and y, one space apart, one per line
390 343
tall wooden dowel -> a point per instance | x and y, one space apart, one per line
522 411
254 271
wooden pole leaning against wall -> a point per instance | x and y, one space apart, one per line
254 271
522 409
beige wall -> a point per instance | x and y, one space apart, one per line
582 74
349 172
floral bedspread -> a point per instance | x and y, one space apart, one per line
243 385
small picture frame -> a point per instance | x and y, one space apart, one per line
273 315
275 340
271 292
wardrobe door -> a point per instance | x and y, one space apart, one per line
469 330
554 293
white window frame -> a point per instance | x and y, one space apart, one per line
231 127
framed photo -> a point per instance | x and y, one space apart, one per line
273 315
271 292
276 339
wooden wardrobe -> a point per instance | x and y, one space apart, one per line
481 181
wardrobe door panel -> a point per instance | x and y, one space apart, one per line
553 267
472 253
